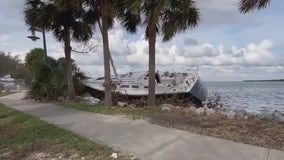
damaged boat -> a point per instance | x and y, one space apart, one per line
135 84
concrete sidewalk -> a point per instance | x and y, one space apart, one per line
140 138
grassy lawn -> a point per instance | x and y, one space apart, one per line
133 112
251 131
26 137
6 94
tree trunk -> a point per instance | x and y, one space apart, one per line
104 30
152 66
68 65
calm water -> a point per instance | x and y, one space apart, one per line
251 96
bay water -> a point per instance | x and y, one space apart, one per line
254 97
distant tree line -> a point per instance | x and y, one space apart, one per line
11 65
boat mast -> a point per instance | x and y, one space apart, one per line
112 64
111 60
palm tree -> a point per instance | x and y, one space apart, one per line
166 17
102 12
64 19
246 6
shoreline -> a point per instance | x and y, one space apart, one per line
271 80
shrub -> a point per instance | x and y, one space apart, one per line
49 81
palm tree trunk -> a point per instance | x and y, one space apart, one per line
104 29
68 66
152 66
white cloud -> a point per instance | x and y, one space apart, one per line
206 54
223 63
138 52
4 40
259 54
204 50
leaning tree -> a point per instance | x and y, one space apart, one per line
103 13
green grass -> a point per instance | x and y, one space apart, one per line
133 112
6 94
23 135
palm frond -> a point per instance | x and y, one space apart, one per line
128 12
34 3
246 6
92 16
180 16
39 15
81 31
131 21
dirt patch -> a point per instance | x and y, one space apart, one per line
6 155
250 131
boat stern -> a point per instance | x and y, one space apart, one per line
199 90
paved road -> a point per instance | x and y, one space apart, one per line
140 138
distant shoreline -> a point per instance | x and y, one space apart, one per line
271 80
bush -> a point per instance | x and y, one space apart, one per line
49 81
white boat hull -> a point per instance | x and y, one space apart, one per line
136 85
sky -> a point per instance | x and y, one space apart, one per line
226 45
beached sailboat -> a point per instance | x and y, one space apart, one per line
135 84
